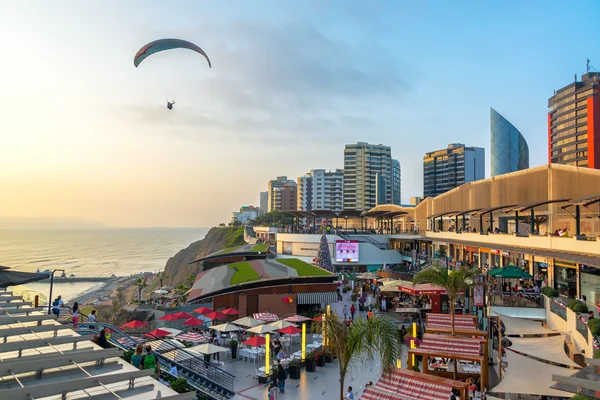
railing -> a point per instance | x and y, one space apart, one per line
510 299
581 326
559 309
209 379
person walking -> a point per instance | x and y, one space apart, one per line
150 361
350 395
56 305
345 312
352 311
216 356
281 376
92 319
75 315
138 355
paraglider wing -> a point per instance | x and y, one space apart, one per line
166 44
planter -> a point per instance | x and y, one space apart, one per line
234 352
310 365
264 379
295 372
320 361
328 358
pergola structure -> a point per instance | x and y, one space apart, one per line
441 221
453 348
578 203
463 214
489 211
525 207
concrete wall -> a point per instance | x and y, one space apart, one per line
569 327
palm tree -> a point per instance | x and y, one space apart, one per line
360 342
161 276
452 280
141 283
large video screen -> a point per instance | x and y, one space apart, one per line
346 251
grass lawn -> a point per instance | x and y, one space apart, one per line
244 273
303 268
228 249
260 247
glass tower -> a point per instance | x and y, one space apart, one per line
509 149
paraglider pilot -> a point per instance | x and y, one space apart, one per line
170 105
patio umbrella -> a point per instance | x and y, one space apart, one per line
174 332
169 317
230 311
510 272
290 330
297 318
183 315
161 291
248 322
192 337
318 318
193 322
158 333
368 275
262 329
255 341
226 327
203 310
266 316
215 315
135 324
207 348
281 324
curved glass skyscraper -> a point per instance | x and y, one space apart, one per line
509 149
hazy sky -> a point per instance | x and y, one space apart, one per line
87 135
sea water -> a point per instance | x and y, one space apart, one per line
91 252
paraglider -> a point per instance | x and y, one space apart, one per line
166 44
170 105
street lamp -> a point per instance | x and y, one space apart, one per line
51 285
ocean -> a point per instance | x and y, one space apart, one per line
90 252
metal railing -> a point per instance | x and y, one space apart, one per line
581 326
510 299
558 309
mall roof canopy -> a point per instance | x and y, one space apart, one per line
492 209
444 214
374 214
324 213
13 278
350 213
468 212
393 214
531 206
299 214
584 201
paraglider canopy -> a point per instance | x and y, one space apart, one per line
166 44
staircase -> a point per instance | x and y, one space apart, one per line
206 378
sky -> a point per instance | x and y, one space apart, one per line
86 135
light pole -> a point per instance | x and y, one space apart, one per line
51 285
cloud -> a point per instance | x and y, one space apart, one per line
283 84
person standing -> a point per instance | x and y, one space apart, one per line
345 311
92 319
216 355
75 315
150 361
138 355
350 395
281 375
352 311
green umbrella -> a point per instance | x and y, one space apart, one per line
510 272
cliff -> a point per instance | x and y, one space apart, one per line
178 267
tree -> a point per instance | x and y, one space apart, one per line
324 256
141 283
361 341
452 280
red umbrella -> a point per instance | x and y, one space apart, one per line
318 318
183 315
203 310
290 330
193 322
230 311
169 317
135 324
255 341
215 315
158 333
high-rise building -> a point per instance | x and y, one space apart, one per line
396 182
380 189
416 200
574 123
321 190
448 168
509 149
282 194
264 202
362 163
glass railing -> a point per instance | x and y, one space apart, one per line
581 326
510 299
559 309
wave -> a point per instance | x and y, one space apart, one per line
38 261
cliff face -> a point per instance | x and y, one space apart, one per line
178 267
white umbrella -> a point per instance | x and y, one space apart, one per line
262 329
281 324
248 322
161 291
226 327
207 348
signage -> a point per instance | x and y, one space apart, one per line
478 292
346 251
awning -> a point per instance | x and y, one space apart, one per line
317 298
521 326
418 290
13 278
451 344
527 376
546 348
266 317
407 385
444 321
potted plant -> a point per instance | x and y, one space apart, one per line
295 367
354 297
328 357
310 362
180 385
234 345
320 358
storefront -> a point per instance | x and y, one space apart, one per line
540 271
565 278
589 278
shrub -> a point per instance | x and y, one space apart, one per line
582 397
127 355
596 354
346 289
572 303
179 385
580 308
549 291
354 296
233 343
594 326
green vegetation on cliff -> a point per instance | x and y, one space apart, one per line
178 267
260 247
243 273
303 268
